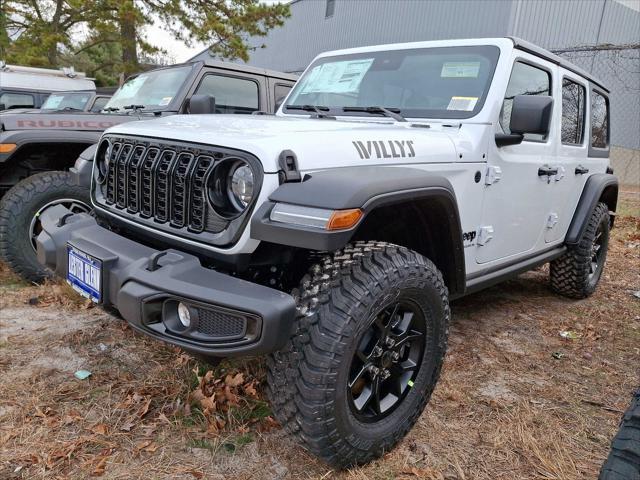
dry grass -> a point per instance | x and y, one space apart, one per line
516 401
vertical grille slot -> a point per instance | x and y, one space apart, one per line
121 175
146 182
180 189
133 183
111 173
197 205
162 185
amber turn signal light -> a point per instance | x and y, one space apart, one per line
341 219
7 147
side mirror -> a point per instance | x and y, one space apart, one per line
199 104
3 106
529 114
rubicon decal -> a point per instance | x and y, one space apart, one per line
89 124
384 148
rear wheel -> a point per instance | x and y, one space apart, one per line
576 274
20 211
365 354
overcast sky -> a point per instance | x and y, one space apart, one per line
176 49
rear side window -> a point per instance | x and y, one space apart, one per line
233 95
16 100
525 80
599 120
99 104
573 108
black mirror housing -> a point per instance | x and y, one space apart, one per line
202 104
531 114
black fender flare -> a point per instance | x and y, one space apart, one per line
82 169
24 138
367 188
599 186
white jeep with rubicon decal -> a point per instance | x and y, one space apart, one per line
332 235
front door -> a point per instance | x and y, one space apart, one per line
516 203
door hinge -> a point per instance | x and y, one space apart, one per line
494 174
560 175
552 220
485 234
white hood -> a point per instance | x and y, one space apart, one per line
317 143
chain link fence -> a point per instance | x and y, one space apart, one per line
618 67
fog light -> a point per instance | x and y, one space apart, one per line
184 314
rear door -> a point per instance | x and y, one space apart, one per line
516 202
571 159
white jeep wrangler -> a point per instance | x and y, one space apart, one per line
333 235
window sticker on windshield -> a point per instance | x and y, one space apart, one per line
165 101
460 70
466 104
337 77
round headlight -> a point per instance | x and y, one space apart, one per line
102 160
242 185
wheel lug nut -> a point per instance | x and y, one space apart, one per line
390 342
395 355
375 370
377 351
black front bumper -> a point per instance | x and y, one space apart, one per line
145 285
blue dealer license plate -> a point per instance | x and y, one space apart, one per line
84 274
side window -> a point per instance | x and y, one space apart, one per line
599 120
233 95
573 98
281 93
99 104
525 80
17 100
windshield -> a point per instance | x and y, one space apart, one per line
443 82
153 90
68 100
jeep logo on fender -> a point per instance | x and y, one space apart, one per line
65 124
385 148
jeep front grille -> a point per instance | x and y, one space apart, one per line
162 182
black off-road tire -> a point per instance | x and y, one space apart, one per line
18 208
623 462
571 274
337 301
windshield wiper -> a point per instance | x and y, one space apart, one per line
133 107
387 112
318 109
73 109
111 109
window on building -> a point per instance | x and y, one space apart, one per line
573 98
233 95
525 80
16 100
599 120
281 93
330 8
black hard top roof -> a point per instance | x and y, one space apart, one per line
552 57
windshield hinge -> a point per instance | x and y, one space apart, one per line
494 174
288 163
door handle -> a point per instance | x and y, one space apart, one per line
580 170
547 171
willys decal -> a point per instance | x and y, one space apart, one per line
385 149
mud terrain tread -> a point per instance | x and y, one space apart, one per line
13 249
302 376
623 462
570 273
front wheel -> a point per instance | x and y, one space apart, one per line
365 354
20 211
